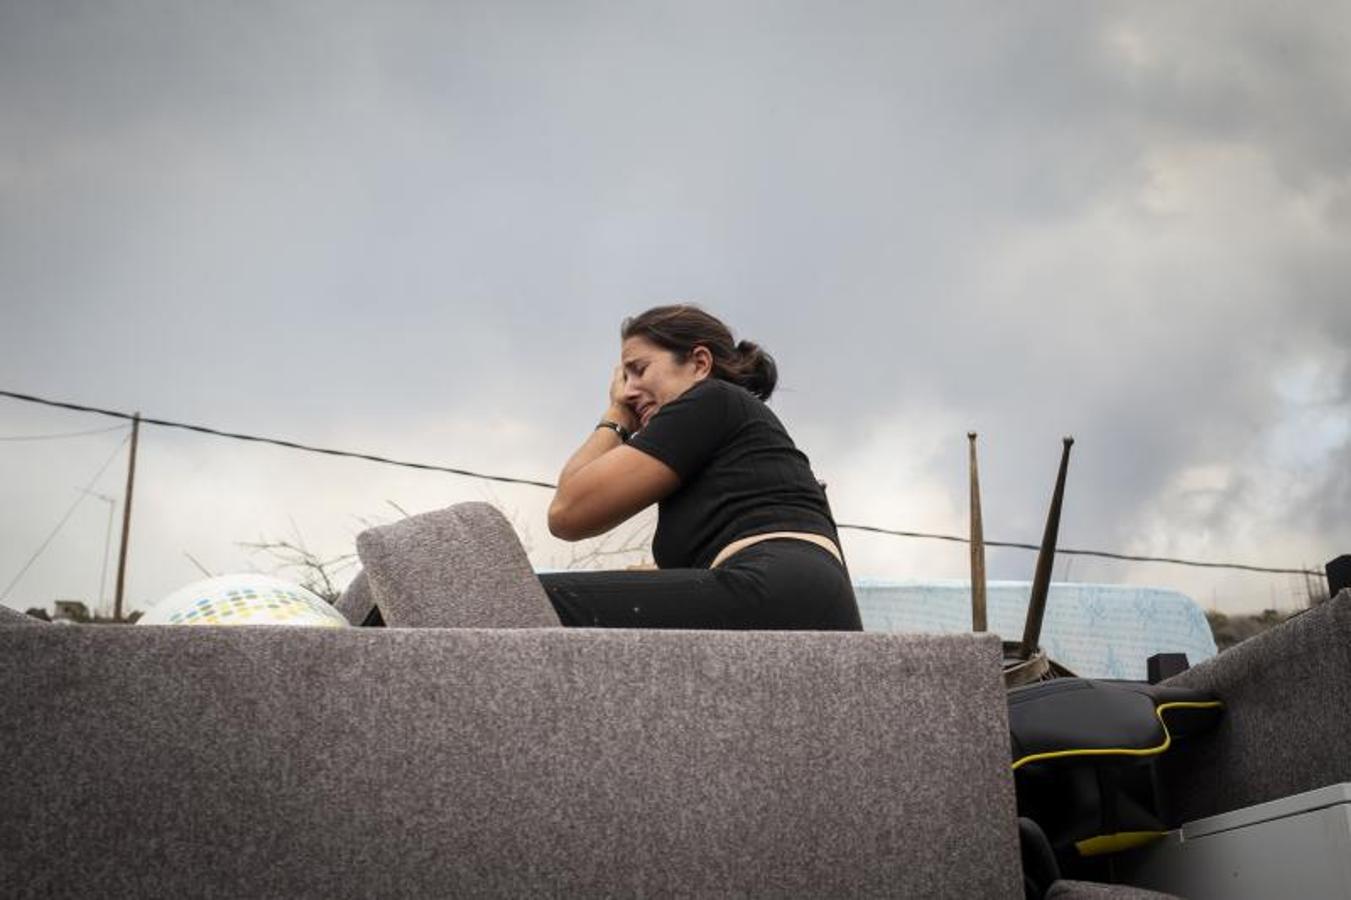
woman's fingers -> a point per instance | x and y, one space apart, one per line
619 409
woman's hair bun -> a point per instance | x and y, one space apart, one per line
758 372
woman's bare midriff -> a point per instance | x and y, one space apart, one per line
742 543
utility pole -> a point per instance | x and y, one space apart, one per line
979 621
126 519
1041 578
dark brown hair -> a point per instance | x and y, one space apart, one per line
683 326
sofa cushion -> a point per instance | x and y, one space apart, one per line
1083 757
1066 721
459 567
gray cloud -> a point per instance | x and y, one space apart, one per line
1129 224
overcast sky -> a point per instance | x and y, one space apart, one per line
413 230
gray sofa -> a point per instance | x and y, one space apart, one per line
432 759
512 757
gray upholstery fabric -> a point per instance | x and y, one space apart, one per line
357 601
12 616
1090 890
459 567
1287 695
315 762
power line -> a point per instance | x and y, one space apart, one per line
369 457
66 434
277 442
84 492
1101 554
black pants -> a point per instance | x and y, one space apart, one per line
780 583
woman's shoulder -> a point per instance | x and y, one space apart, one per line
710 391
725 401
720 387
715 404
729 397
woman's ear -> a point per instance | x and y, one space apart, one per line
703 361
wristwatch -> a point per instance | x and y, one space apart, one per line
624 433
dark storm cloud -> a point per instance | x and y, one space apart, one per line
1122 222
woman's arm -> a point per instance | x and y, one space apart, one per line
605 482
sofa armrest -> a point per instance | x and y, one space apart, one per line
459 567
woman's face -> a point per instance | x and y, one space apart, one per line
653 377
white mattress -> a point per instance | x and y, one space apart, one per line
1095 630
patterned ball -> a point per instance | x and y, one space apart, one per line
244 599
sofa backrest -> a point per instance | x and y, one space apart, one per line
1286 722
289 761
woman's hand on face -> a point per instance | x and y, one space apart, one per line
620 411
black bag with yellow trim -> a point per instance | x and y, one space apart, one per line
1083 762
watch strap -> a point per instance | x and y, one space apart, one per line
624 433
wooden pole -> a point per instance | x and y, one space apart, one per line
978 617
1041 581
126 519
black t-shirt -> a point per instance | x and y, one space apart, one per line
740 474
